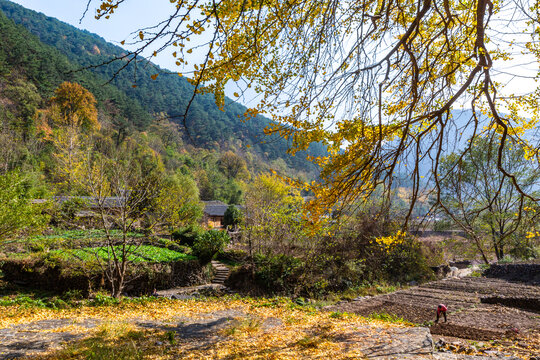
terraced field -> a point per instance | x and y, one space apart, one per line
478 308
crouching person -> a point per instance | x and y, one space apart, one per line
441 309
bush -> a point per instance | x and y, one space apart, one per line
233 256
104 300
187 235
232 216
69 208
210 243
405 262
525 250
278 274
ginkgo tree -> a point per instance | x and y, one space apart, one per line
68 122
374 80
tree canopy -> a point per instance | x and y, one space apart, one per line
17 213
376 81
467 195
75 106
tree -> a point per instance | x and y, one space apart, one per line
273 221
17 212
26 98
70 147
71 118
232 216
123 190
481 200
209 243
177 203
233 166
75 107
376 81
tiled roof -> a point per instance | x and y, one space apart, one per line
108 202
215 208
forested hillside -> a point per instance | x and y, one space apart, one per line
168 93
33 77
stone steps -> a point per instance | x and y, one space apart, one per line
221 272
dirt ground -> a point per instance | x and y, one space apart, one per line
511 313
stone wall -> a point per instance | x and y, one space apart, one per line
63 276
529 273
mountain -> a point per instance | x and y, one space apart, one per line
210 127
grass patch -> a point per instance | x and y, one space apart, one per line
310 342
336 315
391 318
243 326
112 341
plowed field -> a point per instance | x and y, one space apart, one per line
478 308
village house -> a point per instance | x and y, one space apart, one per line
214 214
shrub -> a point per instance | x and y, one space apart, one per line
525 250
232 216
233 256
507 259
187 235
104 300
210 243
404 261
69 208
279 273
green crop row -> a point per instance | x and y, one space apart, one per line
137 254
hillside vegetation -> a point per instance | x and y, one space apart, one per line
168 94
31 71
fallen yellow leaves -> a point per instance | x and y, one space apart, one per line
269 329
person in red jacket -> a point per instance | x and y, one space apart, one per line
441 309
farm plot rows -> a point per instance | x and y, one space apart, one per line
468 316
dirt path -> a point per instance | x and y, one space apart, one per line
204 333
32 339
203 327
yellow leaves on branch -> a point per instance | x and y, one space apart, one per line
308 64
388 242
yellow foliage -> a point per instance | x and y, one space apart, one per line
74 106
391 241
304 332
374 81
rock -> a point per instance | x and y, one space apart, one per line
440 344
403 344
159 343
